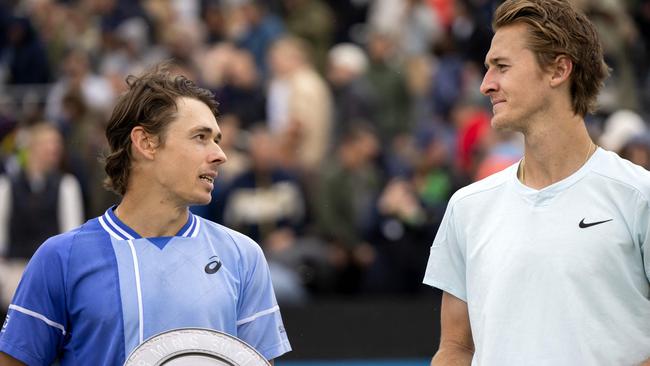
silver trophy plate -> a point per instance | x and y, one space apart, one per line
195 347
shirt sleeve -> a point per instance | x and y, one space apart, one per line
259 321
642 230
35 328
446 267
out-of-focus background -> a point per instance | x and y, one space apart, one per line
347 124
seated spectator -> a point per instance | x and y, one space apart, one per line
267 203
402 234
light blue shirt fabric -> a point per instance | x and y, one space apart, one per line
557 276
93 294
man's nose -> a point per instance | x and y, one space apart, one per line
218 156
488 85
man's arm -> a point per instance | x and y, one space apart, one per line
456 343
6 360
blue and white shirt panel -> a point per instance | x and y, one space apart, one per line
102 290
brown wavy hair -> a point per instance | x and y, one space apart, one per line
556 28
150 102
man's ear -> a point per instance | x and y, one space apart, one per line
143 143
561 69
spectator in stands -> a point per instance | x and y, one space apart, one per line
242 93
637 150
85 143
386 76
347 187
299 106
28 62
619 127
95 90
267 203
401 236
313 22
353 95
261 29
36 202
265 198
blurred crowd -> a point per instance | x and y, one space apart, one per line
347 124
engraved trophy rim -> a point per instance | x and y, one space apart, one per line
175 344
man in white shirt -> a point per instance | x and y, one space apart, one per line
544 263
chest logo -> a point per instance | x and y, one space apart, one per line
213 266
584 224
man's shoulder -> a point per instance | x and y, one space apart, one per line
484 187
229 236
89 232
623 173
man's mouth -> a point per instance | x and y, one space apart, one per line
207 178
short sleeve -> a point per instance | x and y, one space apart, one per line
446 267
642 231
36 327
259 321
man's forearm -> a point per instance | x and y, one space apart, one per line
453 356
6 360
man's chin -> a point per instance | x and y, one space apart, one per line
500 124
200 201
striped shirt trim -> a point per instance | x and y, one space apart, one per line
38 316
110 232
258 315
195 233
117 232
193 223
138 288
113 228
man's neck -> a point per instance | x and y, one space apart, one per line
151 216
554 149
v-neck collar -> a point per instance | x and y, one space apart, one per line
119 230
547 193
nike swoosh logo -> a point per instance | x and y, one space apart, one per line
584 224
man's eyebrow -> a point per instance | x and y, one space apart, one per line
201 129
208 130
494 61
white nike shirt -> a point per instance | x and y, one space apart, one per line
542 288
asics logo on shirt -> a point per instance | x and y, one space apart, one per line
213 266
584 224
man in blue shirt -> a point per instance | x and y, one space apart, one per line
91 295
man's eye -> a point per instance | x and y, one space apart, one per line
201 136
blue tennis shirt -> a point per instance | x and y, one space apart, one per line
91 295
